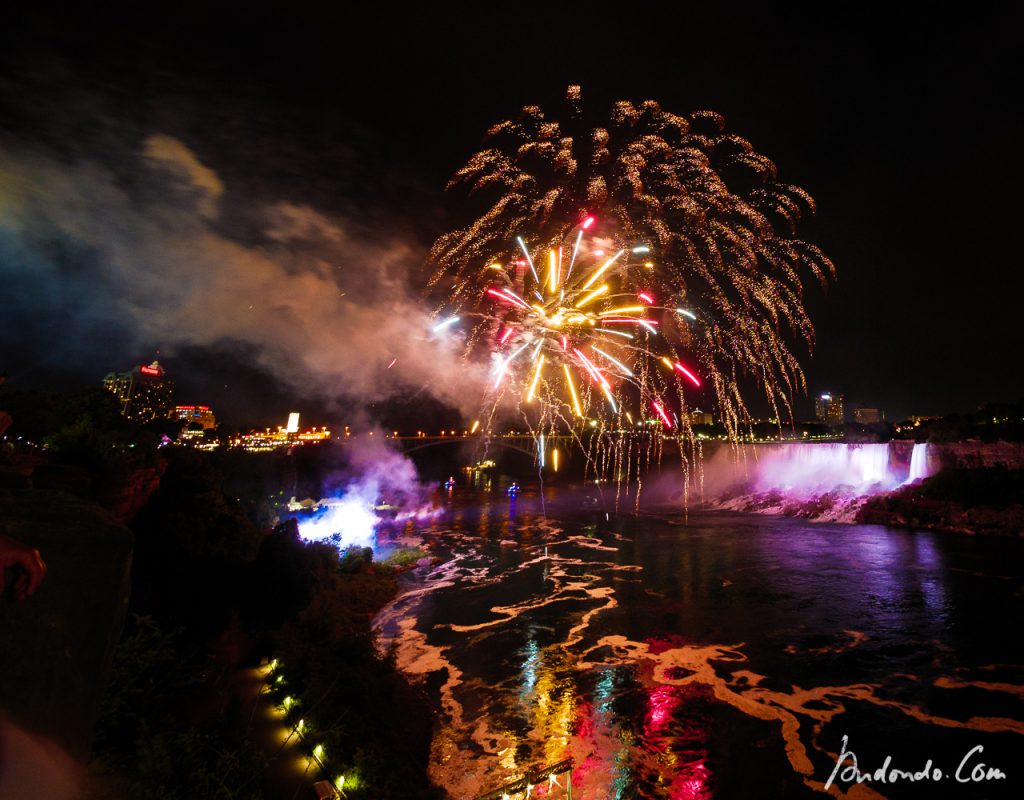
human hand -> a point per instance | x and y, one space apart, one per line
29 567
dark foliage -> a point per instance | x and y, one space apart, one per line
994 486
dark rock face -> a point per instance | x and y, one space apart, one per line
58 645
977 455
909 512
60 478
124 500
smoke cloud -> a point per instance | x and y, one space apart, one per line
154 246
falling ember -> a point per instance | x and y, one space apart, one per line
628 321
601 270
595 373
620 310
529 260
476 424
554 459
392 363
611 400
614 360
661 413
587 223
600 290
505 336
646 298
687 373
536 379
504 366
445 324
572 391
508 297
575 250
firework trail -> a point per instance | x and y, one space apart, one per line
692 252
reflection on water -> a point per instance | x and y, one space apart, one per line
716 656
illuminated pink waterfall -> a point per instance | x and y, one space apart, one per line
918 463
814 480
803 470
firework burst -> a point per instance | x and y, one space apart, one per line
575 332
717 246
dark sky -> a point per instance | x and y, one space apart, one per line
901 120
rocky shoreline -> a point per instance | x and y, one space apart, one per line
907 508
985 501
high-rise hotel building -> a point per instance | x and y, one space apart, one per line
145 393
828 408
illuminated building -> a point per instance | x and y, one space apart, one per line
267 440
152 394
698 417
314 435
828 408
195 415
145 393
868 416
119 384
192 433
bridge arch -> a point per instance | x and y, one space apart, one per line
460 440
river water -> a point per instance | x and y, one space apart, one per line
714 655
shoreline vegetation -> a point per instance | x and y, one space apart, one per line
216 587
212 596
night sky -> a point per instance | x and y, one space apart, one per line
901 122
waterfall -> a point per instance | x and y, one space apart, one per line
816 480
918 462
809 469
